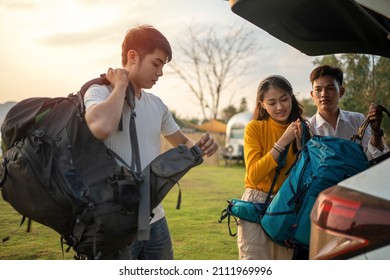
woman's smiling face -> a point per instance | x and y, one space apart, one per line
278 104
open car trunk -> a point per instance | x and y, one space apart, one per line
320 27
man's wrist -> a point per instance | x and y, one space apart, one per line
378 134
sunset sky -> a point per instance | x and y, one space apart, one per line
50 48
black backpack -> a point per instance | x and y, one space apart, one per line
55 172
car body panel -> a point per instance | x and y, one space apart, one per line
317 27
372 181
377 254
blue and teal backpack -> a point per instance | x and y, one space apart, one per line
323 162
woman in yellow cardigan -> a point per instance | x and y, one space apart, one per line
275 127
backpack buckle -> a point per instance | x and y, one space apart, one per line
39 133
196 151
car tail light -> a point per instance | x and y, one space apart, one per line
347 223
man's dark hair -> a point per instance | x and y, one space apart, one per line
327 70
144 39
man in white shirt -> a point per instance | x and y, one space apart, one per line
330 120
145 51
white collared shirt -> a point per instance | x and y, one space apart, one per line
347 125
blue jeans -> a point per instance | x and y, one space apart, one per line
158 247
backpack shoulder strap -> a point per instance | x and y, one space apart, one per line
143 232
130 98
281 164
135 157
102 80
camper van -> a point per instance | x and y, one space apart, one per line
234 145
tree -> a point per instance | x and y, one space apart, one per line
309 108
328 59
243 105
230 110
357 82
382 85
210 60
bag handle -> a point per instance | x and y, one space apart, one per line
362 129
227 214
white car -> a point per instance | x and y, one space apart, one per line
352 219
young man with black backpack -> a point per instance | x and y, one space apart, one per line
145 51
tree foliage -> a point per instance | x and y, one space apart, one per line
210 61
309 108
231 110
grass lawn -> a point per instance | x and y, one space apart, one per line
195 230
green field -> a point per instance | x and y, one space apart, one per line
195 230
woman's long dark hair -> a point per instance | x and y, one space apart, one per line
260 113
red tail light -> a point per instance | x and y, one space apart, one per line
346 223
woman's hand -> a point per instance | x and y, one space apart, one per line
293 131
298 134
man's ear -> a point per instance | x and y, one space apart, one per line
132 56
342 91
311 93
